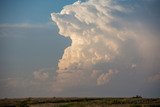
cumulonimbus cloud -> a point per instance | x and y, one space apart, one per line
102 43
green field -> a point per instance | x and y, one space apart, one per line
81 102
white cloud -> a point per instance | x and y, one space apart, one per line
93 41
105 77
41 75
98 45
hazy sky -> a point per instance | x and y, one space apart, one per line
79 48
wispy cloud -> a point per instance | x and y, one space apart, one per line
23 29
41 75
25 25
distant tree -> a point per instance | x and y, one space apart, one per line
137 96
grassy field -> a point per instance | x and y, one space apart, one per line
81 102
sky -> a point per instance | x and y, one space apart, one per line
87 48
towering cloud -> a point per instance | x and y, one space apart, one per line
104 43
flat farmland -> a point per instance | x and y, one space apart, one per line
80 102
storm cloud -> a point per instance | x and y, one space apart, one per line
108 41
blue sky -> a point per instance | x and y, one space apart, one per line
28 11
26 49
36 13
33 53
